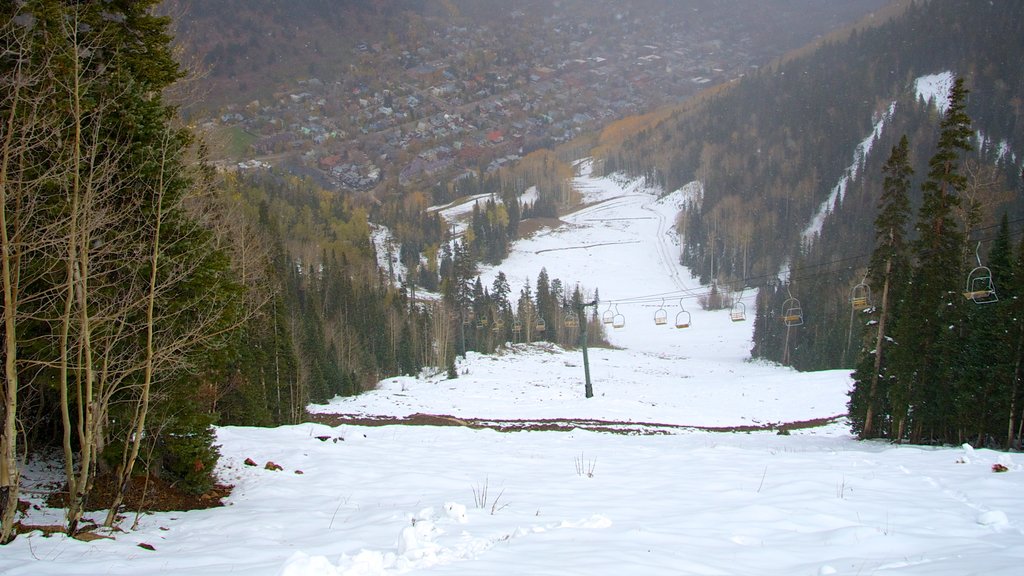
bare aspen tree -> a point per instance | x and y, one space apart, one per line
15 135
28 160
440 341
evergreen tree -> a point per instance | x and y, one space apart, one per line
984 369
1013 292
139 296
889 263
546 304
928 333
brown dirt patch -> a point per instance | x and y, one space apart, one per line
558 425
157 496
530 226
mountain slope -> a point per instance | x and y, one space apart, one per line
379 498
770 149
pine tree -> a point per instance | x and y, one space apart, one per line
984 369
546 305
889 263
928 332
140 301
1014 292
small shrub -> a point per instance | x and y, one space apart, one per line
188 454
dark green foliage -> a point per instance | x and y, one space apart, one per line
949 374
189 457
873 393
341 326
114 183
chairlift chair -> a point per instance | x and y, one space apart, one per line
661 316
738 313
608 317
979 288
541 325
618 320
792 314
517 326
860 297
682 317
571 321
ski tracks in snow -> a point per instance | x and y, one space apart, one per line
430 538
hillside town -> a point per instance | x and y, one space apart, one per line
460 99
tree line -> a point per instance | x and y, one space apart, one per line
122 288
941 361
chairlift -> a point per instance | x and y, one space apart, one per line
482 322
682 317
860 297
571 321
467 318
738 313
517 327
541 325
618 320
498 325
661 316
608 317
792 313
979 287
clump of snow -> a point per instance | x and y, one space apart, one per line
993 518
388 257
456 512
835 197
935 88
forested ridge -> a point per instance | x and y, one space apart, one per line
913 275
770 148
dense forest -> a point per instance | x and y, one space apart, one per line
123 296
771 148
941 361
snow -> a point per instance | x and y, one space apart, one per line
662 497
835 197
934 88
387 250
457 213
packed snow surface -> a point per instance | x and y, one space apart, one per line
399 499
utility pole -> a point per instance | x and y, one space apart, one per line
584 323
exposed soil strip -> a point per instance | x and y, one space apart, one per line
559 424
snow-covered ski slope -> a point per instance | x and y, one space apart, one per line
622 243
455 500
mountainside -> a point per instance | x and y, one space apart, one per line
773 147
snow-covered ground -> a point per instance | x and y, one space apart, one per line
458 500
